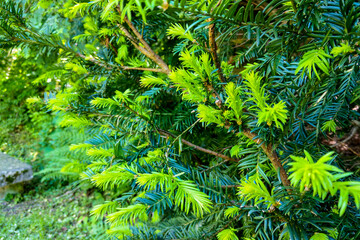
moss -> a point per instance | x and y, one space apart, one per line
12 178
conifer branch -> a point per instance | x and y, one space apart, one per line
216 165
136 113
213 50
271 154
95 61
224 227
109 43
214 93
142 69
169 134
179 136
146 50
230 186
109 67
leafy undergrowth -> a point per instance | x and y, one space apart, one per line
57 214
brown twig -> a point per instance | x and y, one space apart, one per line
146 50
213 46
230 186
126 68
353 131
271 154
213 50
164 69
267 148
142 69
151 55
93 60
353 151
214 93
109 43
169 134
346 146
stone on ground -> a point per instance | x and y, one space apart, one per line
13 173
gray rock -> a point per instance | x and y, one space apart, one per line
12 173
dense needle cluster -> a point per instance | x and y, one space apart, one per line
205 119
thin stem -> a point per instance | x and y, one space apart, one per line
213 50
142 69
220 163
271 154
146 50
224 227
125 68
186 130
169 134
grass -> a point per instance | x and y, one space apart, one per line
56 214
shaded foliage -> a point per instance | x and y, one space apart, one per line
206 119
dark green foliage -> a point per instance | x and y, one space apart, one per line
206 119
